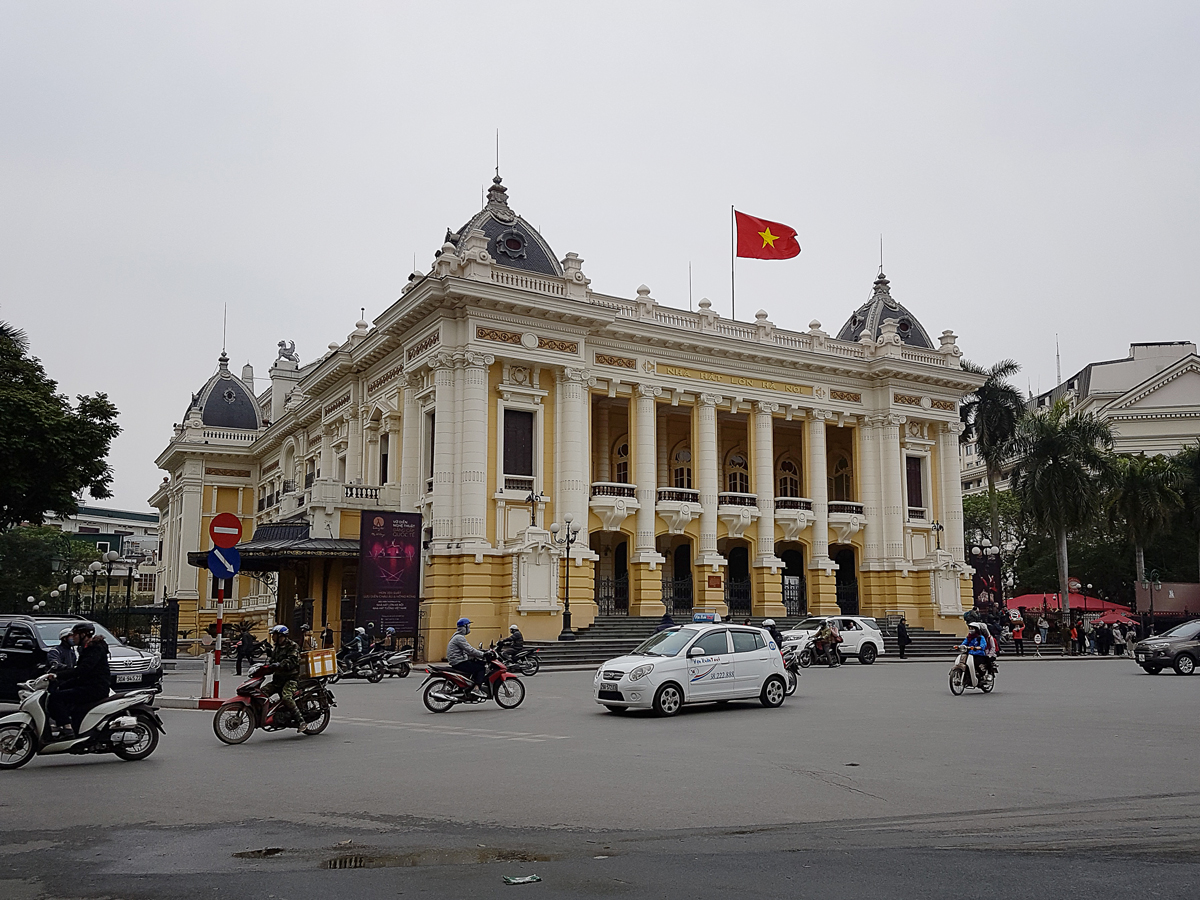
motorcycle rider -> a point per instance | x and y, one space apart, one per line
86 684
389 642
512 645
285 656
773 630
825 642
976 645
465 658
357 646
245 644
62 657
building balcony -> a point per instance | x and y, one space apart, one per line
289 487
918 515
845 508
361 492
738 511
846 518
793 515
677 506
522 483
613 503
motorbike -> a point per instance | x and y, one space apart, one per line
398 664
791 662
252 708
445 686
369 666
962 676
808 653
524 661
125 724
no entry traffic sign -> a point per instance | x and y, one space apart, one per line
225 530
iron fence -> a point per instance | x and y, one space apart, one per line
737 597
677 595
612 596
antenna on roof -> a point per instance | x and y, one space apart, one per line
224 324
1057 362
689 285
497 152
881 253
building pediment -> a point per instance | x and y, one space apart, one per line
1172 389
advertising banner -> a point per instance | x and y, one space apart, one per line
985 583
389 571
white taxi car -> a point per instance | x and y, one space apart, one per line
697 663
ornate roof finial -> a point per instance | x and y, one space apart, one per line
223 362
497 193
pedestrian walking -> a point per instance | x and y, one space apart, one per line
327 637
1018 636
902 638
1118 638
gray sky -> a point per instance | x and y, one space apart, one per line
1032 167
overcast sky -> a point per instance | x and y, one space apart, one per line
1033 168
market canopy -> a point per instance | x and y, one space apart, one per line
1079 602
276 544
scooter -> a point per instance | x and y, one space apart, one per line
369 666
808 653
791 662
398 664
445 686
252 708
125 724
524 661
962 676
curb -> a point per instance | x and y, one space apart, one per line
187 702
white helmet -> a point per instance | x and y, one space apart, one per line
513 628
768 623
64 634
360 631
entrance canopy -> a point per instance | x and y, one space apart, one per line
275 545
1077 602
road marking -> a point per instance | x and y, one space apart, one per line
455 730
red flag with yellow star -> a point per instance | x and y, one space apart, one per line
763 239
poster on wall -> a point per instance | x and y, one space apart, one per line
985 583
389 571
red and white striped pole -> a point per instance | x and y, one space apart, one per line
220 623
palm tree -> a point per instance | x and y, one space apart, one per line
1062 465
990 415
1144 494
1187 463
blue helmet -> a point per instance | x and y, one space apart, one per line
463 622
279 629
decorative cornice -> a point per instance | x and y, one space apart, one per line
230 473
947 405
621 362
336 404
907 399
557 345
431 340
386 378
496 334
846 396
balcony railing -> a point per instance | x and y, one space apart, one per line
730 498
793 503
917 514
845 508
361 492
613 489
518 483
678 495
289 487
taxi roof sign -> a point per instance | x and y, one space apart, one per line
706 617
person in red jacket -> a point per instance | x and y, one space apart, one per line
1018 635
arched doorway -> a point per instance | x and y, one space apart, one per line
847 579
737 581
611 583
795 595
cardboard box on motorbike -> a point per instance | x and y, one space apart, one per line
319 663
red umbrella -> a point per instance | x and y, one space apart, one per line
1079 603
1112 617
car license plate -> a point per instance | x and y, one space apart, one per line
129 678
607 686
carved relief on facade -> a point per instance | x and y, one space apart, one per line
621 362
557 345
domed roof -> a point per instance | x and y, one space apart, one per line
882 308
512 242
225 401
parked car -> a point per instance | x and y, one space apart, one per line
1178 647
861 636
25 640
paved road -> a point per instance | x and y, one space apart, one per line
1082 773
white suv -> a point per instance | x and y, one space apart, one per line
695 663
861 636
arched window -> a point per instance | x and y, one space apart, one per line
681 469
737 474
841 479
789 479
621 463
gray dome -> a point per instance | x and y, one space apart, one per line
880 308
512 242
226 402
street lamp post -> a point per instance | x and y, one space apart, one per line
78 581
533 500
1152 583
94 567
109 558
570 535
937 528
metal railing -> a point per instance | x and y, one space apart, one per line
795 596
289 487
793 503
917 514
678 495
845 508
612 596
737 597
613 489
518 483
847 598
677 596
732 498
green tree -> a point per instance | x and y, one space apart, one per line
50 453
34 560
1187 463
990 416
1062 463
1143 497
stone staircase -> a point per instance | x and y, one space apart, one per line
611 636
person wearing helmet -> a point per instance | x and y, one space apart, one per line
285 656
510 646
85 685
61 657
976 644
465 658
389 639
357 645
306 638
773 630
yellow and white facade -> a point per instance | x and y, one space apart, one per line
717 465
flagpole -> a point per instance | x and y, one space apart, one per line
732 256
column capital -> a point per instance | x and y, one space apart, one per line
577 374
709 399
893 420
955 428
441 361
766 407
820 415
477 360
649 390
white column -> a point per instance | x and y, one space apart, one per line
410 446
458 429
326 461
869 480
706 464
950 495
893 499
353 446
764 482
573 484
474 439
371 473
192 495
818 487
645 459
443 452
603 452
663 466
392 423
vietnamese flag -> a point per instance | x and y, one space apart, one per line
763 239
